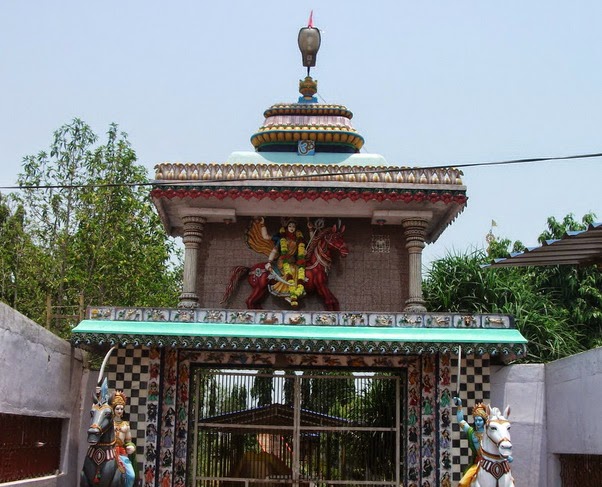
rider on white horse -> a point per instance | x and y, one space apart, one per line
496 451
479 413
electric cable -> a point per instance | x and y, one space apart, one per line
528 160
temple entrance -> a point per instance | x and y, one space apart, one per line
268 428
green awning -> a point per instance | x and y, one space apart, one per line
299 338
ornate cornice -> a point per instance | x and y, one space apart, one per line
324 193
329 126
510 351
321 134
307 109
212 172
301 331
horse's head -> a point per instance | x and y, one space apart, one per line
497 430
101 425
336 241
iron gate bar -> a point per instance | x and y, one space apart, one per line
397 429
218 426
296 430
280 481
361 383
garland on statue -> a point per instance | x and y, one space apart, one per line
297 288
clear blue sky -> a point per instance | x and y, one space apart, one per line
429 83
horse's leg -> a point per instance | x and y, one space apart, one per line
83 480
260 289
508 480
331 303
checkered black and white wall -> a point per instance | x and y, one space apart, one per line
128 370
156 385
474 388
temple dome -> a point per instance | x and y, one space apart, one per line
328 126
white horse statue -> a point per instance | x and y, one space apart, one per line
496 452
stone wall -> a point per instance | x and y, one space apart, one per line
363 281
552 410
552 405
573 398
523 388
42 375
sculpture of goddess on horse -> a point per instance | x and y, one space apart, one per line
295 267
123 439
288 253
479 413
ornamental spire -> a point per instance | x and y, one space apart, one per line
309 43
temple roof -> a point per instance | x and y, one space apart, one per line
385 194
307 163
327 126
582 247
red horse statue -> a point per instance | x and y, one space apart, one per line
293 268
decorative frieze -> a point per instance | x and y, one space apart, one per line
291 317
307 172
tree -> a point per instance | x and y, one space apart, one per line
19 257
87 209
263 387
234 400
557 308
578 289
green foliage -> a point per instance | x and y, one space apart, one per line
373 406
19 258
577 289
88 222
558 309
235 401
263 386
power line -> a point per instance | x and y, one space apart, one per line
304 177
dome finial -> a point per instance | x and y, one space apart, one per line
308 87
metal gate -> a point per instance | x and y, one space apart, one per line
304 428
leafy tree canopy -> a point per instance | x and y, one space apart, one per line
83 225
558 308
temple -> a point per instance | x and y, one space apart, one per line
301 352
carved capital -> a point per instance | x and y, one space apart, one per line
414 230
193 230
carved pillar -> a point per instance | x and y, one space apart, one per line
415 234
192 238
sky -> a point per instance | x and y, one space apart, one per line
429 83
